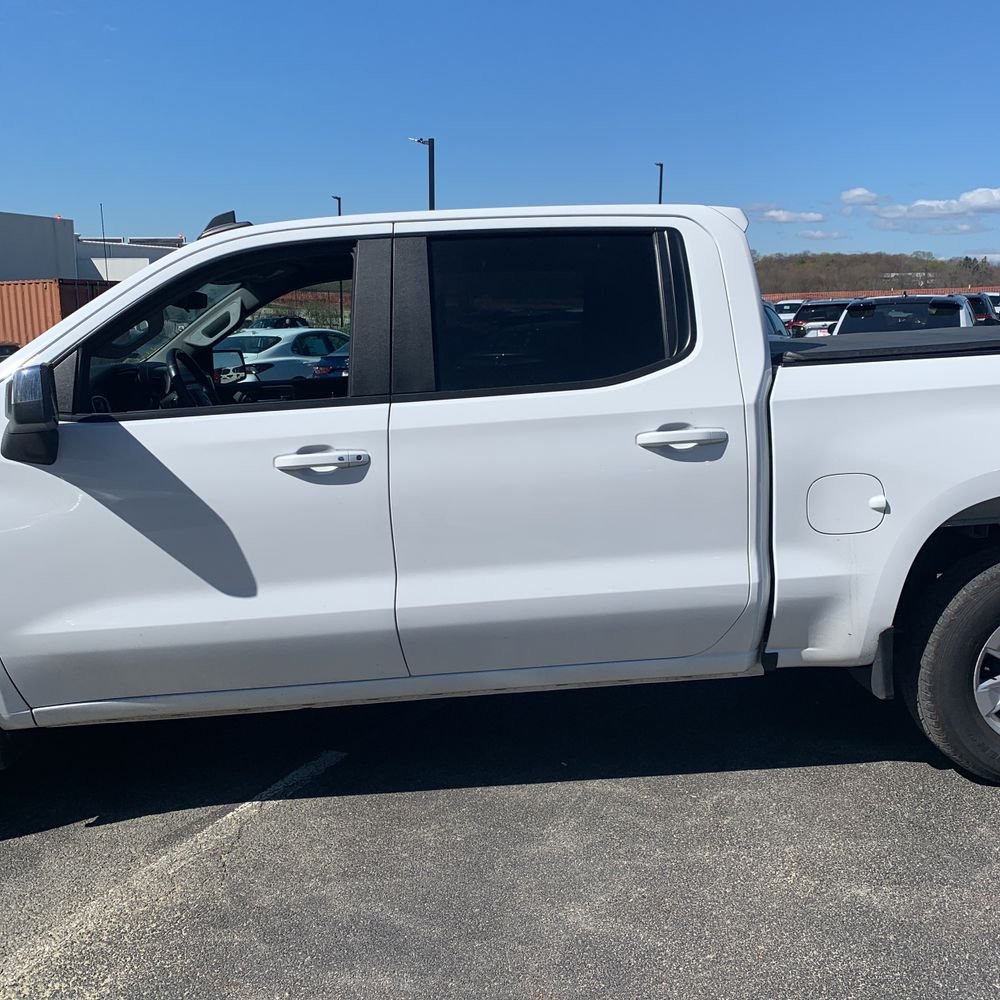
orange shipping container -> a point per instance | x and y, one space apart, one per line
28 308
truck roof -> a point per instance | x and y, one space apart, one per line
734 215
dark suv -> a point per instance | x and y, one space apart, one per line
901 313
982 308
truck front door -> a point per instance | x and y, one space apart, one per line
193 539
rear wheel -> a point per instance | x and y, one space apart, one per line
950 664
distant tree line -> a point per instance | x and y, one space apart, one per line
832 272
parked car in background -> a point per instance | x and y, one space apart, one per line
815 318
900 313
282 357
773 324
982 308
335 369
277 323
786 308
7 349
994 298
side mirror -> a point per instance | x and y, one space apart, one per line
831 328
228 367
32 432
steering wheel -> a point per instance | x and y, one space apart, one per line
177 360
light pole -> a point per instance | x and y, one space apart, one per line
429 143
340 284
659 199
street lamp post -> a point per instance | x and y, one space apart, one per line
429 143
659 198
336 198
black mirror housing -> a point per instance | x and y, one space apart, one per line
32 432
31 400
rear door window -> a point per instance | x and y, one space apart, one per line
311 345
558 310
334 341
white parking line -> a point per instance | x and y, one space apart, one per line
151 882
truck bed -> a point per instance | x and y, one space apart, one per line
855 347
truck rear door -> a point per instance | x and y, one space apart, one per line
568 454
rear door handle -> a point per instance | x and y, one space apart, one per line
322 461
684 437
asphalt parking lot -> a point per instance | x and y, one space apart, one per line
787 836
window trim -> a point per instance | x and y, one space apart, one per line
368 381
413 377
228 408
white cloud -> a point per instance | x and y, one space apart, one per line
860 196
923 225
958 228
783 215
980 201
820 234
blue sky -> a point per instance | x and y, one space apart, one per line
847 126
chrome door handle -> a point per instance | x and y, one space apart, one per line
684 437
322 461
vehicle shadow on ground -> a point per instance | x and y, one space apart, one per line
107 774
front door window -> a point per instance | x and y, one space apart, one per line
247 329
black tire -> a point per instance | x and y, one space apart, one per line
943 637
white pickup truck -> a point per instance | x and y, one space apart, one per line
566 457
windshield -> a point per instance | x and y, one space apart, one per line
161 326
899 316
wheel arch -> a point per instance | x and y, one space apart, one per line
958 524
945 540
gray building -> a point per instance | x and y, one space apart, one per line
34 247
